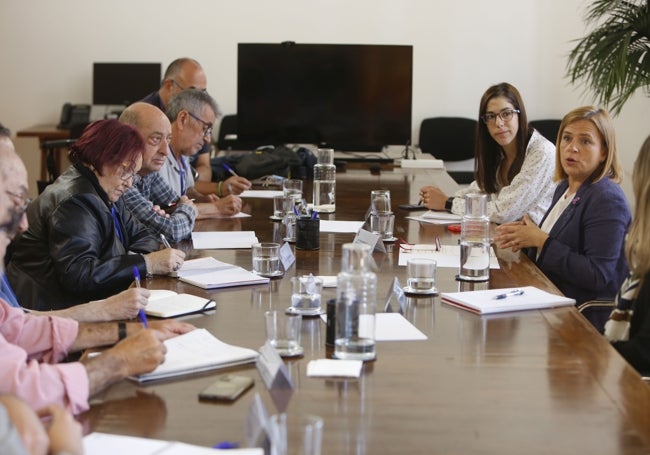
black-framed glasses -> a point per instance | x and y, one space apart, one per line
505 115
207 127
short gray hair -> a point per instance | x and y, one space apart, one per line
191 100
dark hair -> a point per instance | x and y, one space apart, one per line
488 153
4 131
107 142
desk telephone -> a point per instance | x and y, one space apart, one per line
73 114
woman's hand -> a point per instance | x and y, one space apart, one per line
433 198
520 234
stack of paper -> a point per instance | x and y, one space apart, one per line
437 217
196 351
209 273
223 239
445 256
503 300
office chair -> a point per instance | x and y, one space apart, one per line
227 139
597 312
450 139
52 162
547 128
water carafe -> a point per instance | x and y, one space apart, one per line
475 240
325 182
355 305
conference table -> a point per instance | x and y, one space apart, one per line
541 381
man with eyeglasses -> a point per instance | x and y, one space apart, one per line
183 74
32 345
192 114
152 189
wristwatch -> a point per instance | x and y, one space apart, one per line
449 203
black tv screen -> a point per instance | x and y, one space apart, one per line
124 83
345 96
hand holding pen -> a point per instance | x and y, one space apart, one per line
141 314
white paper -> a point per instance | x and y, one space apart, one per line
340 226
198 350
334 368
434 217
110 444
329 281
262 194
223 239
448 256
392 327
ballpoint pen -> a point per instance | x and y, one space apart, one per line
509 294
229 169
141 315
164 241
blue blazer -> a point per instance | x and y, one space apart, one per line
584 254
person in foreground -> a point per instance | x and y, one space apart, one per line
124 305
580 243
23 433
183 74
628 327
80 237
192 114
156 131
32 345
514 162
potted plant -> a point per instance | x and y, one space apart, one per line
613 60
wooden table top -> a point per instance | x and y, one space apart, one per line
533 382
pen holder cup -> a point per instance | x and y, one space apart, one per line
307 233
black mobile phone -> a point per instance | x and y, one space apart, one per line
227 387
412 207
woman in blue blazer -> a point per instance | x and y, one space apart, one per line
579 243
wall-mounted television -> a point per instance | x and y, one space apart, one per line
345 96
121 84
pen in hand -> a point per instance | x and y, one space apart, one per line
509 294
141 315
229 169
164 241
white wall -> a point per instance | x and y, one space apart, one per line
460 48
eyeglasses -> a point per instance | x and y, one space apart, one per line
12 227
207 127
505 115
187 88
129 174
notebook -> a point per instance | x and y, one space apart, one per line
169 304
487 301
223 239
209 273
197 351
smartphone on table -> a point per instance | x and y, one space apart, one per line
227 387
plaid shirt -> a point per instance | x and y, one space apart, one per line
153 189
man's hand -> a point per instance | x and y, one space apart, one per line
171 328
229 205
125 305
235 185
164 261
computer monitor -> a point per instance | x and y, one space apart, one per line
121 84
345 96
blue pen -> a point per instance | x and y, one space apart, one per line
141 315
226 445
229 169
314 215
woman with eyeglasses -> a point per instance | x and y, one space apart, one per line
514 162
80 238
579 245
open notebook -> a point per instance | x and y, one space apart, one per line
197 351
503 300
209 273
169 304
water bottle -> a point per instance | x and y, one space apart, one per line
355 305
475 239
325 182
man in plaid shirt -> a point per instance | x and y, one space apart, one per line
151 192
